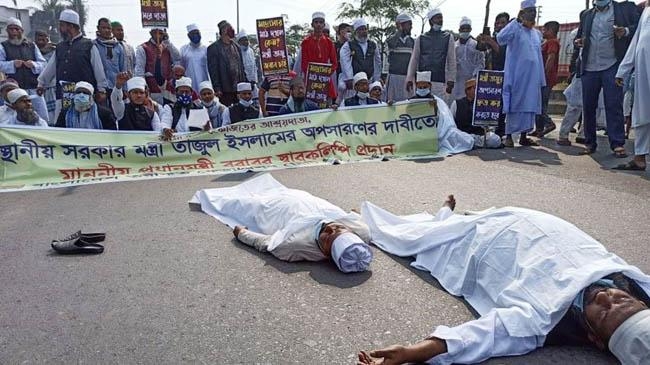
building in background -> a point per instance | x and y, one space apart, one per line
21 14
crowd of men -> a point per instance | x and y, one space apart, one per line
108 83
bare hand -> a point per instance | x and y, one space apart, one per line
450 87
348 84
409 86
578 42
18 63
121 79
619 82
168 133
238 230
207 127
390 102
334 107
218 93
29 64
619 32
392 355
40 90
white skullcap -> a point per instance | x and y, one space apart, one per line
84 85
465 21
358 77
350 253
16 94
358 23
318 15
14 21
403 18
69 16
630 342
240 35
433 13
184 81
376 84
528 4
192 27
205 85
136 83
244 86
423 76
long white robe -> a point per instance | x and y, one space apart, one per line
520 269
469 61
195 60
289 216
637 59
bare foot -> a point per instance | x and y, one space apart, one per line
450 202
238 230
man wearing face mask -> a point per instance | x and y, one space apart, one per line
605 33
211 102
75 59
226 64
244 109
20 103
359 55
400 46
362 92
250 63
469 61
111 53
297 102
523 75
154 60
84 112
434 51
174 117
194 57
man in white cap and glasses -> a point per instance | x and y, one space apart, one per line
75 59
135 115
20 103
318 48
21 60
84 112
154 60
400 47
194 57
244 109
434 51
359 54
523 74
211 102
376 92
292 225
362 92
533 278
250 63
469 60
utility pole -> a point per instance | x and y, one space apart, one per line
237 16
586 4
539 13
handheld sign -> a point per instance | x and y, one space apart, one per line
318 83
273 46
154 13
488 99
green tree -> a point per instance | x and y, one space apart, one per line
47 19
81 8
295 35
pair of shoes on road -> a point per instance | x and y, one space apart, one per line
563 142
76 243
541 133
619 152
630 166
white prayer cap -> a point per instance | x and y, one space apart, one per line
630 342
205 85
433 13
350 253
14 21
358 23
423 76
244 86
403 18
69 16
358 77
84 85
318 15
376 84
465 21
184 81
14 95
240 35
136 83
528 4
192 27
162 29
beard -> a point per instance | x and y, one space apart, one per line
17 41
299 99
27 116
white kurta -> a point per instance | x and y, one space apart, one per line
469 62
637 59
520 269
289 216
195 60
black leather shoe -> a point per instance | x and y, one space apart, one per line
76 247
93 237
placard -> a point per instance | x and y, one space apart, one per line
318 83
273 46
154 13
488 101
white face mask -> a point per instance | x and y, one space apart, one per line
464 35
436 27
245 103
362 95
422 92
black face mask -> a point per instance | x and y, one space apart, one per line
299 100
529 16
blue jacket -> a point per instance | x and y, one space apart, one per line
308 104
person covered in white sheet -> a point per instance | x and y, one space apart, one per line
292 225
534 279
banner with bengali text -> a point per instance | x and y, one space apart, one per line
37 158
273 46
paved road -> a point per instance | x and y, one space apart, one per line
174 287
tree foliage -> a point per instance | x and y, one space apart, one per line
47 18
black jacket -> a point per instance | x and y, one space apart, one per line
626 15
219 68
105 115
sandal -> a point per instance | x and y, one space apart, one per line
528 142
630 166
587 151
619 152
508 143
563 142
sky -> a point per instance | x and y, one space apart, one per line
207 13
